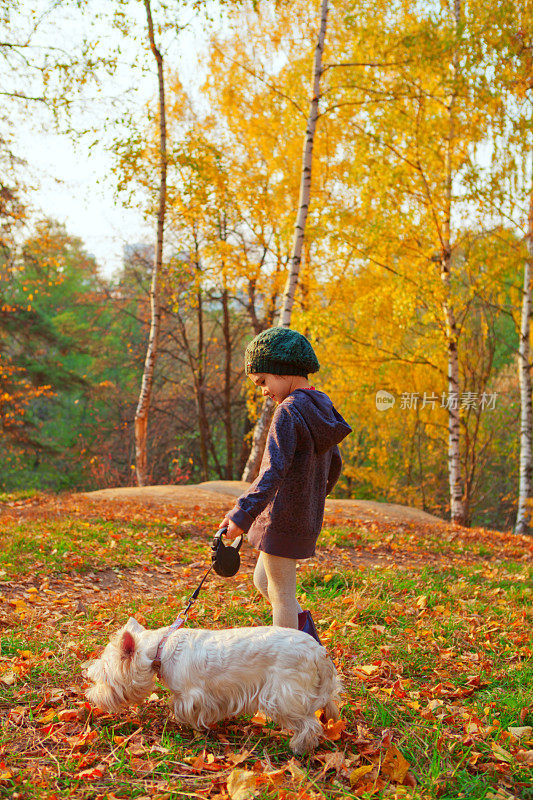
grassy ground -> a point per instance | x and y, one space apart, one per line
429 627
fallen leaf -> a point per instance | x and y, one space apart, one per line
358 773
204 761
275 776
333 760
525 756
237 758
259 719
242 784
55 695
68 715
367 669
333 730
8 678
521 733
410 780
48 717
137 749
296 771
394 765
500 754
90 774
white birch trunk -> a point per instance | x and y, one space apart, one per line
263 423
457 506
524 372
143 406
305 179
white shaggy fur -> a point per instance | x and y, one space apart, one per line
214 675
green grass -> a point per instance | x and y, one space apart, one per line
427 630
65 545
17 496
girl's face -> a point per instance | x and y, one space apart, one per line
278 387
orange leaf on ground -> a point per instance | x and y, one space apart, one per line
274 777
370 787
90 774
67 715
394 765
237 758
333 730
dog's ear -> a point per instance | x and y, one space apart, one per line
127 646
134 626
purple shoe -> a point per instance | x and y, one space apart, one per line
306 624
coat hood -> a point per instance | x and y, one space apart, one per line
325 424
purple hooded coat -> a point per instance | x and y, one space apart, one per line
283 509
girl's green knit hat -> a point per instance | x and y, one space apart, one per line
280 351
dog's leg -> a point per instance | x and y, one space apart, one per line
331 711
197 708
307 734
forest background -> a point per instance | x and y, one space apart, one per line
387 169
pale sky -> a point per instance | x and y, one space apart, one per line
75 184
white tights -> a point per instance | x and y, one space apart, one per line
275 577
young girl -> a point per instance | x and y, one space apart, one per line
282 511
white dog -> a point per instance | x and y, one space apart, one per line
218 674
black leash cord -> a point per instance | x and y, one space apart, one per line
194 596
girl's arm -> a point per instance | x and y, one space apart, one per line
279 452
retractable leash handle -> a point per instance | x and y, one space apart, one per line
225 558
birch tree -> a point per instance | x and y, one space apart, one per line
143 406
521 86
457 509
261 429
524 371
511 195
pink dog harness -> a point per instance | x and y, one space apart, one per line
178 622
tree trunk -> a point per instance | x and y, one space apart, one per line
457 507
203 422
305 179
143 406
263 423
526 467
226 327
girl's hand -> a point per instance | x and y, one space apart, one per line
233 530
